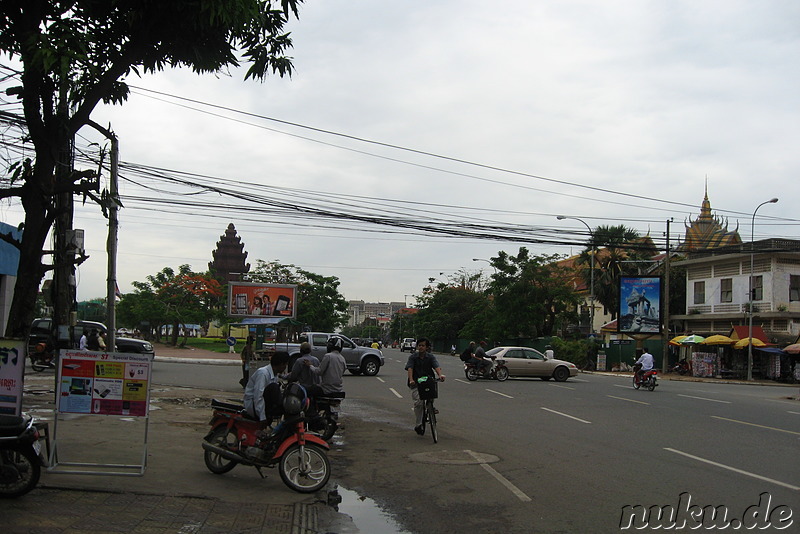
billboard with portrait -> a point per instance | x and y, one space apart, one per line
639 305
253 299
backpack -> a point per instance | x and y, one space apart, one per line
466 356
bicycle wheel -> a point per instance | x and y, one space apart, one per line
432 420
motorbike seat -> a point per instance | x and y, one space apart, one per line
226 406
13 425
332 396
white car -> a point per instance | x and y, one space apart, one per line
524 361
408 343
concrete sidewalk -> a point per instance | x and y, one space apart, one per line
177 493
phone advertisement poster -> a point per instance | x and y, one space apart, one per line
12 366
247 299
104 383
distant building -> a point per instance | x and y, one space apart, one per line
9 262
707 231
359 311
229 257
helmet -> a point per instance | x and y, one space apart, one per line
295 399
335 343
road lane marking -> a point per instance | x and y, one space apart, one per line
621 386
560 386
795 413
734 469
396 393
498 393
629 400
754 424
381 379
462 381
704 398
500 478
565 415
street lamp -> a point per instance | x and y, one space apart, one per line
752 290
487 261
591 269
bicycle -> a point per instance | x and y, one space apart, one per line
428 390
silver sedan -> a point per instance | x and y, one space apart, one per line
524 361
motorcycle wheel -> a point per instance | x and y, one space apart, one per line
305 474
37 365
636 385
19 471
223 438
471 374
651 385
502 374
330 428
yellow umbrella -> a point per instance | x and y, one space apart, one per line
717 340
676 340
742 343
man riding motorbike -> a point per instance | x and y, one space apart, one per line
645 363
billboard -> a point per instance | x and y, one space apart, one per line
639 305
253 299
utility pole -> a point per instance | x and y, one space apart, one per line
664 362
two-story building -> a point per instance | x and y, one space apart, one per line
718 283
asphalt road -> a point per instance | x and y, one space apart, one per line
570 456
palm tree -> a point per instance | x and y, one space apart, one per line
618 248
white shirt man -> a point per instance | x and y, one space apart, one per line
646 359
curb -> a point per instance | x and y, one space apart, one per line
209 361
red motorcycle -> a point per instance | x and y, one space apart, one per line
648 379
235 438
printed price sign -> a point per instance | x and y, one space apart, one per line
104 383
12 366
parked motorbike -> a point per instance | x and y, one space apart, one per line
235 438
42 358
325 421
682 367
648 379
497 371
20 455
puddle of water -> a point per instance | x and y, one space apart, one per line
367 515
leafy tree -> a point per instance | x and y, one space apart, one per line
447 310
618 248
170 298
69 55
319 303
532 295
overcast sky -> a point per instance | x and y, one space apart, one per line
580 99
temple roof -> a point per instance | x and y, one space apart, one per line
708 231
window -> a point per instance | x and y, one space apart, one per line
794 288
726 290
699 292
319 340
757 287
533 355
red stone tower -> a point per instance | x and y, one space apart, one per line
229 257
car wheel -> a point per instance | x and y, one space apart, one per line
371 366
561 374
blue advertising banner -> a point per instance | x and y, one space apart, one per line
639 305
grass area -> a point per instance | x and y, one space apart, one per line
213 344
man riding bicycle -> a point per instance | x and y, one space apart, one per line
421 363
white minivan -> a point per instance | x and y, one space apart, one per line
408 343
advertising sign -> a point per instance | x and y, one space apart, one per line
104 383
246 299
639 305
12 367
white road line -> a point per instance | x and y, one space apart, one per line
462 381
621 386
629 400
498 393
735 470
381 379
795 413
565 415
560 386
396 393
500 478
703 398
754 424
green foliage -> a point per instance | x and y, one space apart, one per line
319 303
447 311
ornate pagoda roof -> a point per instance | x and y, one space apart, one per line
708 231
229 256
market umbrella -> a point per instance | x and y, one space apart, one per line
694 339
742 343
676 340
718 340
794 348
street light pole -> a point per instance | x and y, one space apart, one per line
752 290
591 268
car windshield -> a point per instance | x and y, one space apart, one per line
494 351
